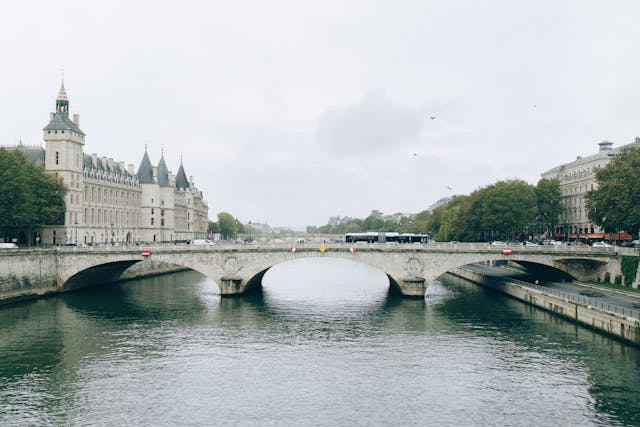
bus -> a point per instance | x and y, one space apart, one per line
386 237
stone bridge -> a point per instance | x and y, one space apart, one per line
239 268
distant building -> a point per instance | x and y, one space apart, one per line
576 179
440 202
376 214
108 203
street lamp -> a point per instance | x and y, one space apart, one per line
111 233
250 232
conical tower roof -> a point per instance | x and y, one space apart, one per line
181 179
145 171
163 173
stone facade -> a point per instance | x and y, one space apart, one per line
576 179
107 203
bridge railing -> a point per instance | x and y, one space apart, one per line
581 299
437 246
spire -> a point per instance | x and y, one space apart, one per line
62 101
60 119
181 178
163 173
145 171
62 93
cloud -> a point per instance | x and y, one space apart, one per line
376 124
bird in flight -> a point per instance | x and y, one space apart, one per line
448 188
415 154
432 117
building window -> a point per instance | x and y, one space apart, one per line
151 211
162 222
57 158
151 221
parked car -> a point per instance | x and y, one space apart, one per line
8 246
601 245
200 242
498 243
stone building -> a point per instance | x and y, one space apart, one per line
106 202
576 179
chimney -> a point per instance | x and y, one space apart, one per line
76 119
110 163
51 116
130 169
155 173
94 160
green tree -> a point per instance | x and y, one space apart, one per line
227 225
548 198
212 227
614 204
30 196
508 208
452 219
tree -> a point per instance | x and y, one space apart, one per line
227 225
212 227
508 208
614 204
548 197
30 196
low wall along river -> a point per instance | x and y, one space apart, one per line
625 327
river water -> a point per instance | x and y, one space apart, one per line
325 344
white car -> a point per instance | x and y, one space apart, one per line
498 243
601 245
201 242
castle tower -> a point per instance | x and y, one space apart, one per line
64 157
167 202
149 201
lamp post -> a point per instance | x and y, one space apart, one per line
111 234
250 232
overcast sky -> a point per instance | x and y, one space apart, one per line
289 112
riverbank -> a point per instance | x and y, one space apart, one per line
622 325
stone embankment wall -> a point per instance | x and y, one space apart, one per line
28 274
623 327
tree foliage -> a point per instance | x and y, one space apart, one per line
506 210
30 196
227 225
614 204
548 199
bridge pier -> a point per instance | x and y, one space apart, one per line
413 287
232 285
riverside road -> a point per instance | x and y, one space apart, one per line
615 299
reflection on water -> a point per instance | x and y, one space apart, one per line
325 343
